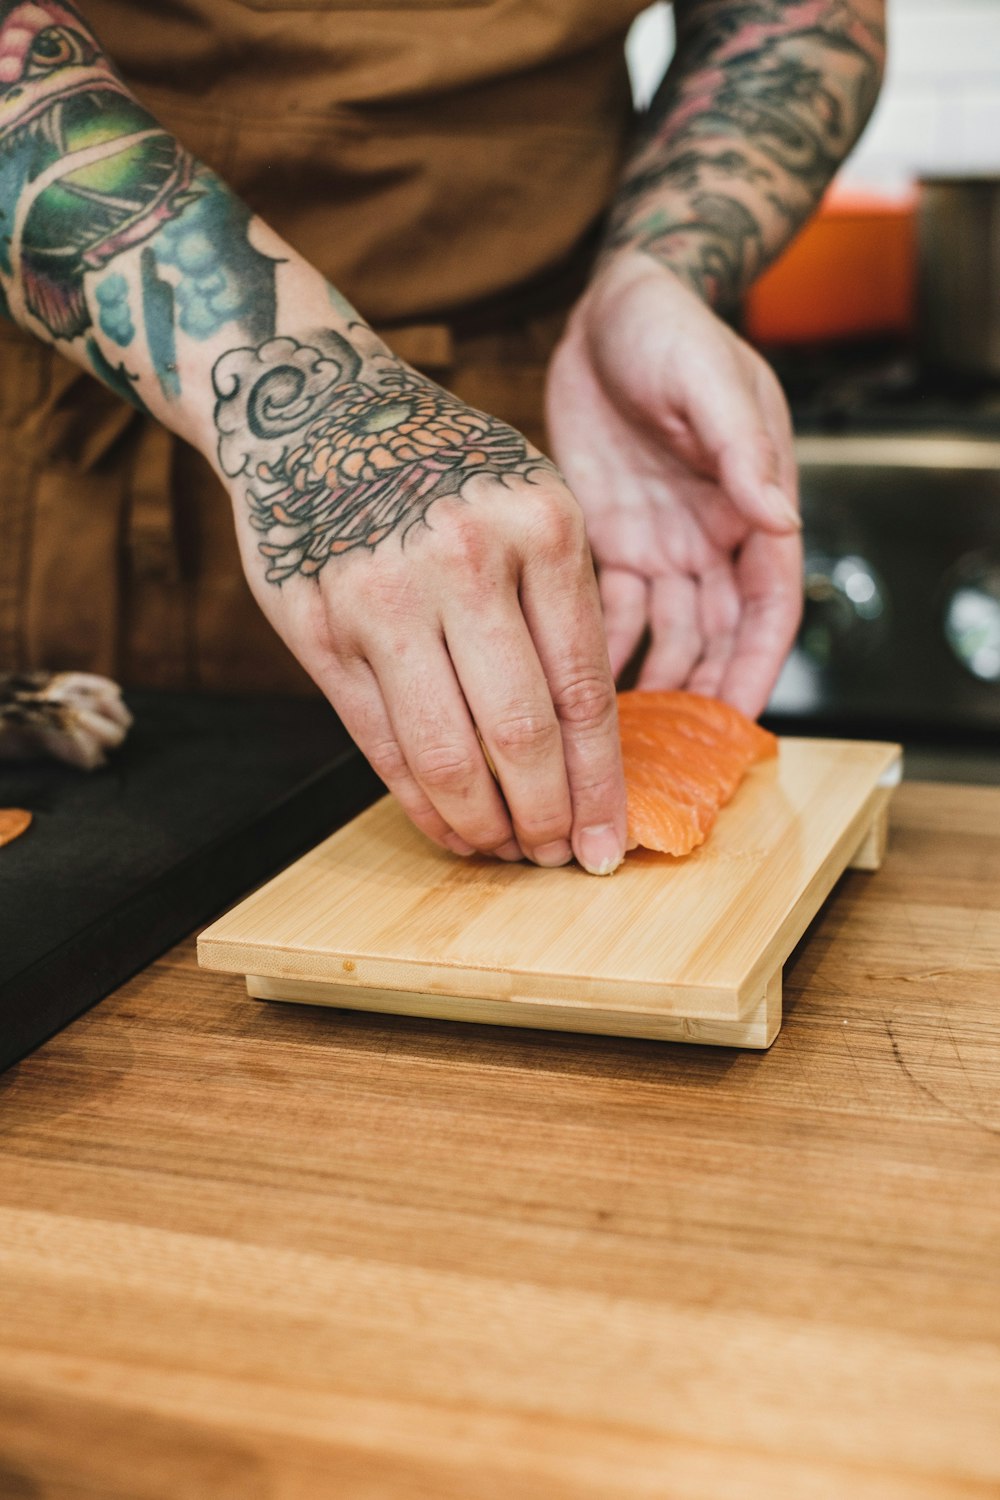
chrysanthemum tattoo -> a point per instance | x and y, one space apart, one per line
336 462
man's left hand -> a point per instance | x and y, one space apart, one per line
676 441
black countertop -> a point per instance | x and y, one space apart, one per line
208 797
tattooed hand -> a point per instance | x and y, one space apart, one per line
426 566
675 438
431 571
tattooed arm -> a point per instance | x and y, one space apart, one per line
672 431
425 564
761 104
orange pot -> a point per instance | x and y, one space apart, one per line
851 273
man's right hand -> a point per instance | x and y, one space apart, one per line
425 565
431 572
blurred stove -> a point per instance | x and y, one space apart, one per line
900 484
883 391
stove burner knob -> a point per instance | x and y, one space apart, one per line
845 607
972 616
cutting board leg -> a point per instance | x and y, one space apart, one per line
758 1028
871 851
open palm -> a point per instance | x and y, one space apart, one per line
675 439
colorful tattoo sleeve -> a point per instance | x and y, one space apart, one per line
119 248
86 176
761 104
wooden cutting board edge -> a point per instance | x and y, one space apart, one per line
481 984
749 1016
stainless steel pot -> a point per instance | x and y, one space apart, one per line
959 275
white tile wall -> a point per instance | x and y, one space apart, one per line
940 106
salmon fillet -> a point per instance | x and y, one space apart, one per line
684 757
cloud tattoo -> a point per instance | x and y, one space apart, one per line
267 395
223 279
114 316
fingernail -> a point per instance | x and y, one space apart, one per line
600 850
781 507
550 855
510 851
456 845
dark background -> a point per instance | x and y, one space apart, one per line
207 798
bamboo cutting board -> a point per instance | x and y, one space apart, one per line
377 918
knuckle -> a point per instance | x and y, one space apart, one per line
387 760
525 735
466 543
314 621
586 700
334 645
557 527
486 834
442 766
595 798
384 591
544 826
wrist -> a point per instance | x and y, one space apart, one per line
678 254
619 272
182 369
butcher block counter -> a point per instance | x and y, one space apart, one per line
266 1252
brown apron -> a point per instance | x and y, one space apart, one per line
446 163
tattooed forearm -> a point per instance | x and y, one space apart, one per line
762 102
85 172
114 242
340 452
139 262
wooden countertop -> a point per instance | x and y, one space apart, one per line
254 1252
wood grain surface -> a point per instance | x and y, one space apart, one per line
264 1252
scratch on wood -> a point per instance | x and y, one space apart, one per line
925 1088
